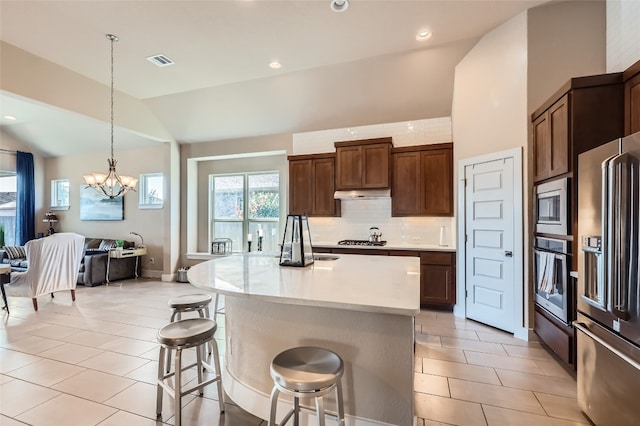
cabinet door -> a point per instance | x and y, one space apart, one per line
437 182
323 188
300 187
551 141
559 137
405 184
437 285
375 166
349 172
632 105
541 148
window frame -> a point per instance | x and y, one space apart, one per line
245 220
142 191
55 190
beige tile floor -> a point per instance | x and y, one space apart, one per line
94 362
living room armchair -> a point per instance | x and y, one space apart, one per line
54 262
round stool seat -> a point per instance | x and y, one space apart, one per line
187 332
189 301
306 368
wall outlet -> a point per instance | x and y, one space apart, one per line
152 260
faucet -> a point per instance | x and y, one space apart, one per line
141 239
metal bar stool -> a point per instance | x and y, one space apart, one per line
306 372
179 335
189 303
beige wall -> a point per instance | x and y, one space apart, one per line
30 76
489 98
565 40
623 34
200 160
150 223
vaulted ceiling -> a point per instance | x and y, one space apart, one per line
357 67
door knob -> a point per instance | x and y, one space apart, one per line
508 253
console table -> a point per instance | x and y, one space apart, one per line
5 277
120 254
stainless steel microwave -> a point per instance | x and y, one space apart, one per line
552 212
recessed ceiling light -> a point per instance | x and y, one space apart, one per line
423 35
339 5
275 65
10 117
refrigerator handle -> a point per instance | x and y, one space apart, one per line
605 275
620 217
583 328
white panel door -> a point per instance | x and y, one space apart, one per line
490 283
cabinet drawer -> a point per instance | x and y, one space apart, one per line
406 253
558 341
322 250
436 258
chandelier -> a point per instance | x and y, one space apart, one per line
111 185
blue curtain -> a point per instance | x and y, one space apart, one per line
25 205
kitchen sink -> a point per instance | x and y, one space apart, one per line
325 257
321 257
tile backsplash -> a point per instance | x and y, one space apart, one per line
360 215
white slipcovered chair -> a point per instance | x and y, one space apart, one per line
54 263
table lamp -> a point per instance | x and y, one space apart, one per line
51 218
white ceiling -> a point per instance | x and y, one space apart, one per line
217 88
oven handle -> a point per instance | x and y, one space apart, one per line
582 327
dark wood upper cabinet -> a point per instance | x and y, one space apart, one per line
422 180
324 176
363 164
312 184
551 141
406 184
584 113
632 99
300 186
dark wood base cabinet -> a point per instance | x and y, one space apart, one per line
438 279
437 272
558 337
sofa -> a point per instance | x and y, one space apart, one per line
93 268
16 257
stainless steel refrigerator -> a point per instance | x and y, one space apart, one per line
608 322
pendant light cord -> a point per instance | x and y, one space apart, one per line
113 40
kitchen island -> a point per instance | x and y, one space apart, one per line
357 306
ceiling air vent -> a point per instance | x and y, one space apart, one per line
160 60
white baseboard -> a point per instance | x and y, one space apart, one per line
524 333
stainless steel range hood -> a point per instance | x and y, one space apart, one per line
362 194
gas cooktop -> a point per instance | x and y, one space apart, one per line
361 243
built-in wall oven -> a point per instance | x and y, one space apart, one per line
552 262
552 212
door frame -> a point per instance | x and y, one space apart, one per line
519 294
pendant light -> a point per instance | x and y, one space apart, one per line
111 185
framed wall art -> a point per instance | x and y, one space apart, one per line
93 206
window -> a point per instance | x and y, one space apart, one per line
60 194
151 191
246 204
8 190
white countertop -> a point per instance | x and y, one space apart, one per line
353 282
390 246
